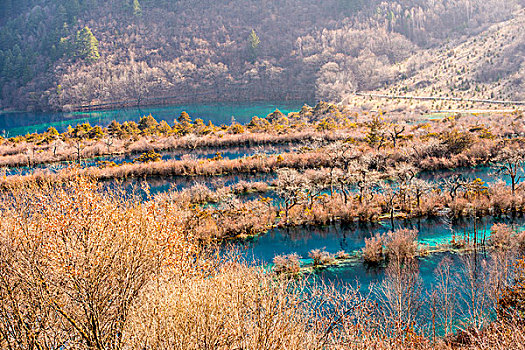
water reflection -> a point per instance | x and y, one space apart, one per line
432 232
207 153
486 174
159 185
350 238
21 123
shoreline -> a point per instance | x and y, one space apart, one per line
163 101
159 101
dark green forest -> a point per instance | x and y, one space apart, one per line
60 54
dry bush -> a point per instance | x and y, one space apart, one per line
431 204
502 237
511 300
200 193
94 150
501 198
236 308
373 250
401 244
320 257
20 154
243 187
288 264
341 255
520 240
86 268
501 335
73 260
231 218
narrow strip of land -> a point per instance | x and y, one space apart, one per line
428 98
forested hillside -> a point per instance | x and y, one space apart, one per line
487 66
61 54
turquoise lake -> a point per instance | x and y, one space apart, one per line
21 123
351 239
299 240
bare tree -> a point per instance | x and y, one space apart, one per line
390 193
400 296
404 173
290 189
364 177
445 295
418 188
341 155
453 184
108 141
30 154
473 284
78 145
395 131
57 146
510 162
314 184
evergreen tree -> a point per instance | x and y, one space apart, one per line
86 45
185 124
72 8
184 118
350 7
8 7
114 129
8 70
137 9
253 45
147 122
275 115
61 16
64 47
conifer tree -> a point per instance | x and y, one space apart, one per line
253 45
147 122
185 124
86 45
137 9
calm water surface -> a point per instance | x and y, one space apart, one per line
351 239
21 123
207 153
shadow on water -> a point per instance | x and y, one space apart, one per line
165 184
351 239
483 173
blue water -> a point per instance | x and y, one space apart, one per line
368 279
229 153
165 184
485 174
21 123
350 238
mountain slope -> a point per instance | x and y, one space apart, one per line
195 51
490 65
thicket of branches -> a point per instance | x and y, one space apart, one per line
84 267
